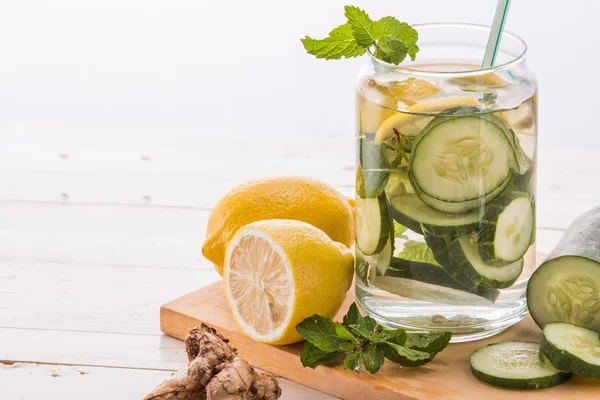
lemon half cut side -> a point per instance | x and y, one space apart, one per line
279 272
260 284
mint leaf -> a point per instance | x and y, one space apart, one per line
428 342
340 43
353 361
352 316
365 327
400 230
372 357
325 334
405 356
417 251
391 50
366 32
312 356
401 31
397 336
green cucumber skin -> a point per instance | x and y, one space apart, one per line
434 274
452 258
567 362
407 222
487 229
436 230
581 239
538 383
385 227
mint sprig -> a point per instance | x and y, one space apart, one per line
391 39
361 342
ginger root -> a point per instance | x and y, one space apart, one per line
215 372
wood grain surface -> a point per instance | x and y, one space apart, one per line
447 377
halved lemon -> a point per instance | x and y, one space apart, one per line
279 272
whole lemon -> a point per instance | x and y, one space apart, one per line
296 198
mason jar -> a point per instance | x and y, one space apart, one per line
446 185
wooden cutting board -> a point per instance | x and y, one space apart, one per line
447 377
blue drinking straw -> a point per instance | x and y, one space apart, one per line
493 44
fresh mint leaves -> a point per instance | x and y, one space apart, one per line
361 342
391 39
417 251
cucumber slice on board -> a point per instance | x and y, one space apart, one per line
566 286
373 224
465 206
572 348
515 365
411 212
460 258
460 158
506 229
435 275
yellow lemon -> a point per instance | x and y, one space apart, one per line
279 272
385 97
295 198
410 123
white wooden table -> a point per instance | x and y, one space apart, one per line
94 239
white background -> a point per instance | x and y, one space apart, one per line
126 73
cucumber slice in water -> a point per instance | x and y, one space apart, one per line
373 224
461 158
566 287
417 290
465 206
515 365
572 348
368 267
507 228
435 275
460 258
411 212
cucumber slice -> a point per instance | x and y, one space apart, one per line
398 184
460 258
417 290
572 348
507 228
465 206
371 174
373 224
515 365
369 266
435 275
461 158
566 287
411 212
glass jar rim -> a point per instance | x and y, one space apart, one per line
451 74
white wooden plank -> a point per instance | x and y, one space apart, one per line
93 298
104 248
26 381
35 382
158 352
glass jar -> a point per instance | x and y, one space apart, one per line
446 184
